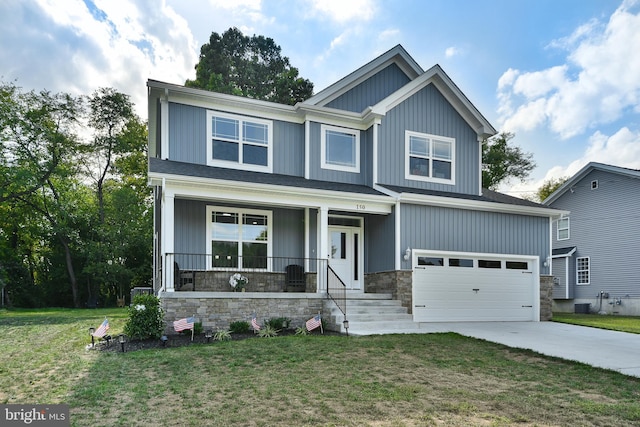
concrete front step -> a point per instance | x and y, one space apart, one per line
383 317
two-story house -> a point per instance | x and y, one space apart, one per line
375 179
595 247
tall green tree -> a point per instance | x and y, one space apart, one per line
254 67
502 162
548 187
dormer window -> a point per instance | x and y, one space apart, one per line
429 158
340 149
239 142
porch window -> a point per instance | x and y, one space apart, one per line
239 142
583 271
563 228
429 157
239 238
340 149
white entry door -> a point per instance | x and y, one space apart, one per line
345 255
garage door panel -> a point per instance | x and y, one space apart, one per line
444 293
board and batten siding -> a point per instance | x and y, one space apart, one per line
428 112
372 90
604 225
379 234
460 230
188 140
190 228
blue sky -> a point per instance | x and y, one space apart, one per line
563 75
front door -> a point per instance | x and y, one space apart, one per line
345 256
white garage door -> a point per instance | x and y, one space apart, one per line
463 287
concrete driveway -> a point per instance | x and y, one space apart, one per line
618 351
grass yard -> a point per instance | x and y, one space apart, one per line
616 323
394 380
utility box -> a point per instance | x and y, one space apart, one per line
582 308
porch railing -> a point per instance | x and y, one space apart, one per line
337 291
205 272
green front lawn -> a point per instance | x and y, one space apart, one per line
616 323
392 380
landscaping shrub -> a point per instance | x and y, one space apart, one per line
146 319
278 323
240 327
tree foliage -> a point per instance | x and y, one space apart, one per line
253 67
548 187
502 162
75 211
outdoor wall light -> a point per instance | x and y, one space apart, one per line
407 254
164 340
208 334
122 339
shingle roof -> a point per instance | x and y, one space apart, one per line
487 196
234 175
563 251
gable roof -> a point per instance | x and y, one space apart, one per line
418 80
571 182
396 55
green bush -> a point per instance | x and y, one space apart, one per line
146 319
278 323
268 332
240 327
197 328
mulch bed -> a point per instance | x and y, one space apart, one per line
179 340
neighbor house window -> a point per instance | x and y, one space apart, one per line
238 238
563 228
429 157
340 148
583 271
239 142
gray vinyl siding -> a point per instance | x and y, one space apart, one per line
317 172
428 112
371 91
560 269
604 225
188 140
190 232
380 243
459 230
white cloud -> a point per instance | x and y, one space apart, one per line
620 149
597 85
342 11
451 52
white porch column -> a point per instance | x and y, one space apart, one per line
397 239
323 242
164 127
166 244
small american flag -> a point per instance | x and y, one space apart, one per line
254 323
313 323
102 329
184 324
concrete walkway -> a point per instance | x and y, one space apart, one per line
618 351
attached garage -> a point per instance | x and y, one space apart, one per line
465 287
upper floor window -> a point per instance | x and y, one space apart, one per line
563 228
340 148
583 271
239 142
429 157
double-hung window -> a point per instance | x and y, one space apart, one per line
340 148
563 228
429 158
583 271
238 238
239 142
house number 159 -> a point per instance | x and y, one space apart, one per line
360 207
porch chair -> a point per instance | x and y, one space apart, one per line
294 278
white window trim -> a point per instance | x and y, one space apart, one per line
240 212
558 229
323 148
588 270
239 164
407 144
